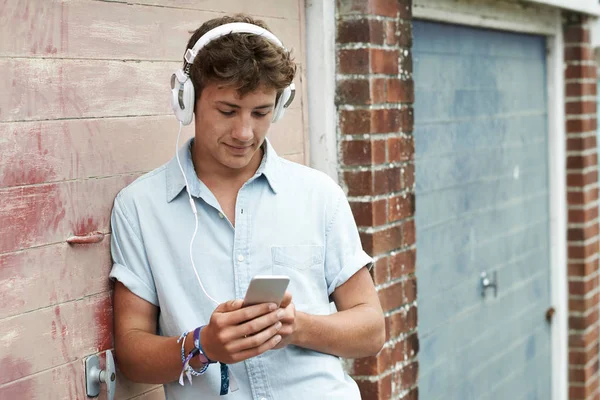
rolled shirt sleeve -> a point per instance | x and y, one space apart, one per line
130 264
344 254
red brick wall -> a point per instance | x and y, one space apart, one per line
582 198
375 121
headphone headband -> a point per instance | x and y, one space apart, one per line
182 89
226 29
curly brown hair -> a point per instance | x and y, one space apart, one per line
240 60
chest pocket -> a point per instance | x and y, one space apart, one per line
304 264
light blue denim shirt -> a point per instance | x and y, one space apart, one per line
290 220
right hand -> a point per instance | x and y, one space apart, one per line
235 334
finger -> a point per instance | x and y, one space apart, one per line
229 306
287 299
253 352
255 340
258 324
249 313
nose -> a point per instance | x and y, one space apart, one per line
242 129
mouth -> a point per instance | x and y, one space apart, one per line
238 149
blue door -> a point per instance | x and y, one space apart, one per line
482 205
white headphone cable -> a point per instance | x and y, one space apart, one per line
194 210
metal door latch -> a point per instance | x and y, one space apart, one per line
486 283
94 376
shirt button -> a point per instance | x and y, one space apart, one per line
240 258
221 215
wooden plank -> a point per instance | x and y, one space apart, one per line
40 340
44 214
51 151
42 89
49 275
68 382
286 9
121 30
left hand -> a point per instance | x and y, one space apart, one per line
288 322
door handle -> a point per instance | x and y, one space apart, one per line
94 376
487 283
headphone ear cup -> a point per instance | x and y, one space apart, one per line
182 97
279 109
188 100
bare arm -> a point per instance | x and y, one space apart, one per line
144 356
356 330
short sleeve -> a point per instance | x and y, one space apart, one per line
130 264
344 255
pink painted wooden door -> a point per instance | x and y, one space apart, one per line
84 110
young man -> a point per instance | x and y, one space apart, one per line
257 214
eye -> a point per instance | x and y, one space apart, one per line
227 113
260 115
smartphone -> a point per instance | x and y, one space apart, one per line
266 289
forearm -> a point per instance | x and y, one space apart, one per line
148 358
353 333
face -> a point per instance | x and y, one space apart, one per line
230 129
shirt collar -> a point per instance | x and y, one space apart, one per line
176 183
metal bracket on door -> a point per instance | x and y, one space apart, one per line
94 376
486 283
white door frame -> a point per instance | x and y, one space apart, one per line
492 14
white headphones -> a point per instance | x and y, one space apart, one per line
182 88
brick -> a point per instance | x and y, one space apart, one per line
580 107
384 8
381 271
384 61
413 394
387 181
402 263
401 148
383 241
583 288
584 339
574 234
360 183
353 122
583 322
579 216
582 161
404 31
381 389
581 356
583 374
374 365
400 207
582 125
408 176
353 61
582 178
405 9
353 91
369 213
577 53
582 269
583 392
400 91
581 143
390 33
401 322
378 90
576 34
392 297
364 152
408 233
360 31
405 65
581 89
407 376
582 197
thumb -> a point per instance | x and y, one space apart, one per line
229 306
